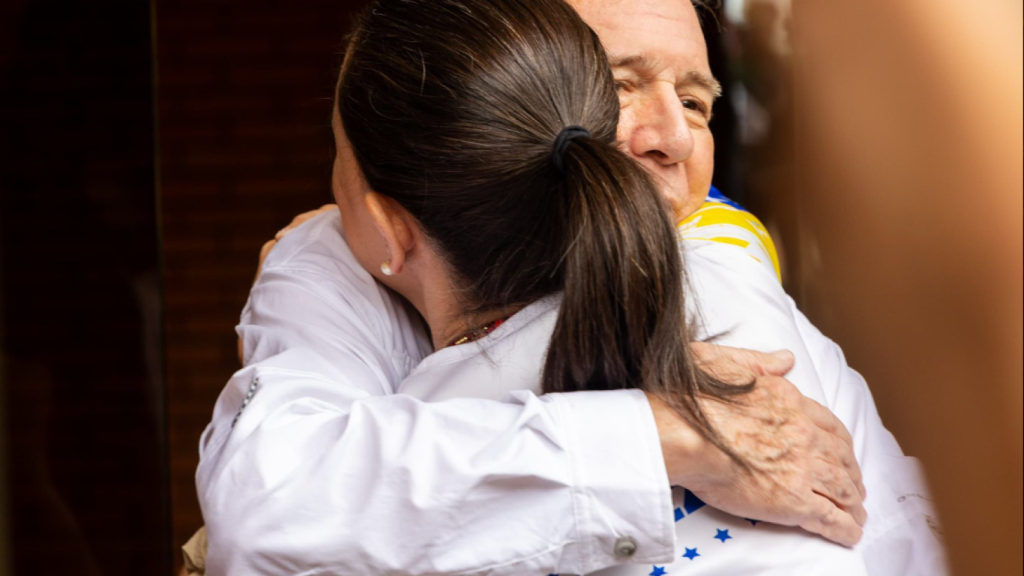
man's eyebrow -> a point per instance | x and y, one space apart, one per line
704 81
644 64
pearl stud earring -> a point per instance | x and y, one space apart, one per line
385 268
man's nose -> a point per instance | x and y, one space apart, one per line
660 132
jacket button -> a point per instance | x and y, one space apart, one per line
625 547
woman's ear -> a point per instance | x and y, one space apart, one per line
394 224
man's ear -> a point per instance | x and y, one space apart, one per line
394 224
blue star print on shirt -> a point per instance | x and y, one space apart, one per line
691 503
658 571
691 553
722 535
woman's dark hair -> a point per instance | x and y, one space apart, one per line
452 108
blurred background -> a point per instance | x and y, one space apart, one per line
147 150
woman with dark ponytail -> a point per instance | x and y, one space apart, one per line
490 128
477 176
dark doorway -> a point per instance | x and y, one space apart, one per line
83 470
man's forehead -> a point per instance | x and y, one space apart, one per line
643 13
649 65
665 32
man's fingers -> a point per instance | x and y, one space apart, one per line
840 452
739 366
778 363
760 363
832 523
266 248
839 446
295 223
264 251
824 418
834 483
301 218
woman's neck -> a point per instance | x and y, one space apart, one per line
448 318
446 330
426 283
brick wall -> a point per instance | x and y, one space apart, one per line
244 94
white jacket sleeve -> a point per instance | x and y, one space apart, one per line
313 465
902 536
317 476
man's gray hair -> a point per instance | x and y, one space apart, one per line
708 8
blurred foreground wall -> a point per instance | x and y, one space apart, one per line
909 147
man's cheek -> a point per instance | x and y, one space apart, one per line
682 207
624 130
701 168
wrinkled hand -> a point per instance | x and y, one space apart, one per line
295 223
802 470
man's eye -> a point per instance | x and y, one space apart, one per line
697 106
692 104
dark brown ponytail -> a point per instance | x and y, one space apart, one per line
622 320
452 108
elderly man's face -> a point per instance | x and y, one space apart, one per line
666 90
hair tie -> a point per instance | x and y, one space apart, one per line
567 135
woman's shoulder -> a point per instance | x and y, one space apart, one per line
313 293
508 359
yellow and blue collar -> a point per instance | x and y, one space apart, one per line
721 220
